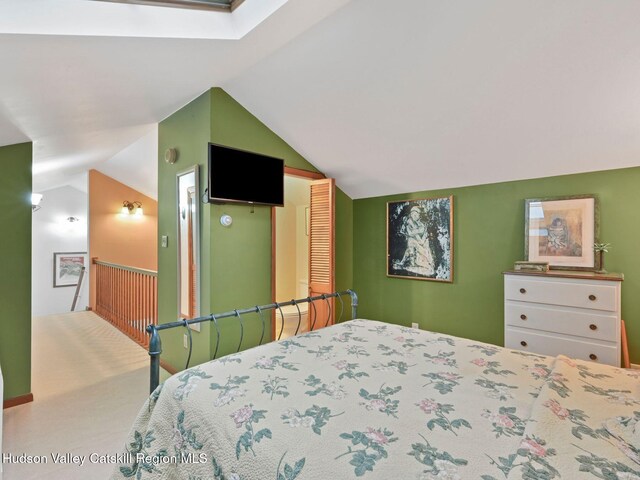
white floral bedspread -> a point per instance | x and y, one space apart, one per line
374 400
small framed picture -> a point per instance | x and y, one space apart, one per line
420 239
561 231
67 267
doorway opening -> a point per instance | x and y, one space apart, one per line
292 257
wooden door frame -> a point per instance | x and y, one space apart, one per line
293 172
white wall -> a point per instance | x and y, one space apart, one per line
53 233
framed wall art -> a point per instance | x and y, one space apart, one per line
67 267
562 231
420 239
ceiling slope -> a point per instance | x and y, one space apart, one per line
388 100
83 99
442 94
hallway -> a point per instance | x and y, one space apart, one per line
88 381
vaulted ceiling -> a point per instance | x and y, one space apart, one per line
386 97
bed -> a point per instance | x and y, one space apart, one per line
380 401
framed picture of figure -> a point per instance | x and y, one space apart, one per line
562 231
420 239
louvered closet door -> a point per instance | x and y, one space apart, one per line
322 251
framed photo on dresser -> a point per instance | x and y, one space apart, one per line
562 231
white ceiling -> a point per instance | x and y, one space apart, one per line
83 99
425 95
91 18
136 165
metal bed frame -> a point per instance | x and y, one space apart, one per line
155 344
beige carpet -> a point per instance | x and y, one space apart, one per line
89 381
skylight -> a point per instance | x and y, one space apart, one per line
221 20
219 5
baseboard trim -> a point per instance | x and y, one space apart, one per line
15 401
635 366
173 371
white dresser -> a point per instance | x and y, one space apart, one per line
560 312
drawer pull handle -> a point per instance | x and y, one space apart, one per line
593 326
523 290
593 356
523 343
592 298
523 317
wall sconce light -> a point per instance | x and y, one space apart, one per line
226 220
128 207
36 198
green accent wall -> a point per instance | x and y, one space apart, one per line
344 249
188 131
241 254
15 258
235 126
488 238
235 261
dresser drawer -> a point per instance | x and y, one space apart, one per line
549 344
581 323
562 292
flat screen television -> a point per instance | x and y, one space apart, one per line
238 176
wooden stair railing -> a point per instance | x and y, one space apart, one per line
127 297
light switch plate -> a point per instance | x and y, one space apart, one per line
164 241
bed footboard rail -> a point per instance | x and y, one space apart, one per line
155 344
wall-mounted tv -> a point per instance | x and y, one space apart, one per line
238 176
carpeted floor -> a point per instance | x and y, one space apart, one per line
89 382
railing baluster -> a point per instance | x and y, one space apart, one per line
132 304
117 285
138 307
145 308
125 302
145 305
113 273
110 282
127 308
119 299
102 289
109 298
130 294
114 297
127 298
